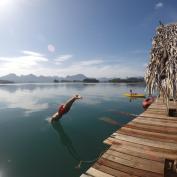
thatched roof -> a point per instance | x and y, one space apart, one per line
161 73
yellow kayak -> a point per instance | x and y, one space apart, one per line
138 95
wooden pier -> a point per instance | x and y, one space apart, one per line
141 147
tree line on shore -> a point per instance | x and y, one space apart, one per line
92 80
114 80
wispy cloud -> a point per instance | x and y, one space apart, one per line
30 53
29 58
36 63
23 63
91 62
103 70
159 5
63 58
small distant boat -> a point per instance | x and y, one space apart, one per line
135 95
148 101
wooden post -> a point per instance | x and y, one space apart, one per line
170 168
172 108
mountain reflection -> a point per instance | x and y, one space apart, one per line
37 97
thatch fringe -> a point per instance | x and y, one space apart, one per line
161 73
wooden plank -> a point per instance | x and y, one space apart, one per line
167 120
152 128
154 106
166 153
84 175
110 141
134 163
155 122
97 173
158 111
157 108
148 135
170 121
164 130
126 169
112 171
153 143
158 103
155 116
139 152
145 164
152 115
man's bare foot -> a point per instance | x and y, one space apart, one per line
78 97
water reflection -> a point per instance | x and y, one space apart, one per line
109 120
132 99
37 97
32 134
65 140
29 101
134 85
34 86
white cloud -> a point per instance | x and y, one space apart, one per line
38 64
159 5
62 58
104 70
30 53
23 64
91 62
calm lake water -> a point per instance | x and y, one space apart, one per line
32 147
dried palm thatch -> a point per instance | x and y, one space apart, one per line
161 73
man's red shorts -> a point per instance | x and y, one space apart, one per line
61 109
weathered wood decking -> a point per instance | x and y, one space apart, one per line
140 147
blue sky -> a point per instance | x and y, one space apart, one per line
99 38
